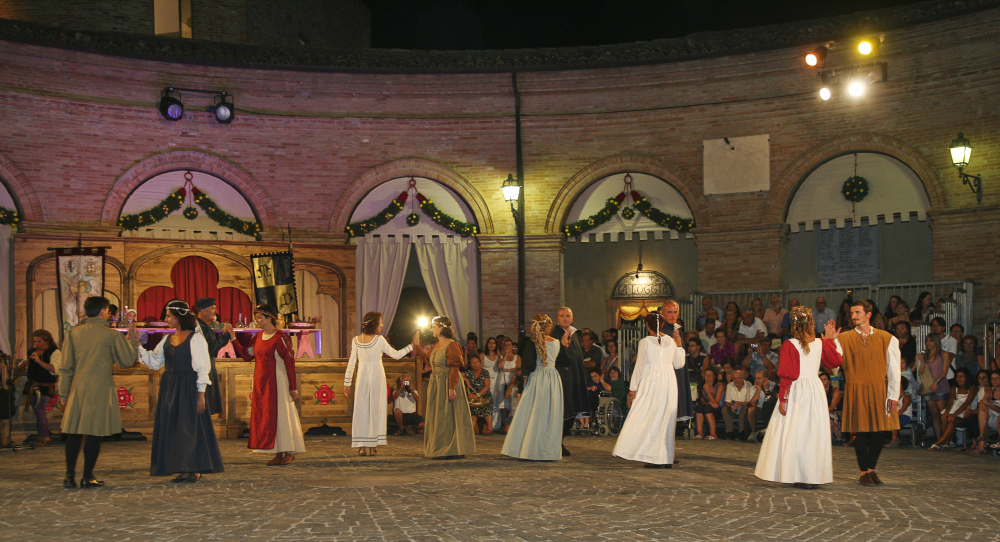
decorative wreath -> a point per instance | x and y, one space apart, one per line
628 213
413 219
8 216
855 189
190 213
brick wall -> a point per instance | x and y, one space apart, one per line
78 123
132 16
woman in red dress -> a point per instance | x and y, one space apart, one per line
274 420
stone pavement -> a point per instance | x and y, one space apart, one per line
330 493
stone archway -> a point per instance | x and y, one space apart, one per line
622 163
193 160
410 167
783 188
29 207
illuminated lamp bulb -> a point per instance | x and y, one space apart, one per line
814 57
866 47
422 322
825 93
857 88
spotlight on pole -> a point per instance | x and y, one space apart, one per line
814 57
171 108
825 93
856 88
868 46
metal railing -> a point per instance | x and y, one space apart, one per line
956 309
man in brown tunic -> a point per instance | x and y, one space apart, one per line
872 372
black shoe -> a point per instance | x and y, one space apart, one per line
655 466
69 482
93 482
181 478
799 485
730 436
565 452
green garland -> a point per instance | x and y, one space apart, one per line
412 219
9 216
175 200
154 214
364 227
611 208
464 229
223 218
582 226
855 189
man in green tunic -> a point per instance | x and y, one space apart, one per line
87 380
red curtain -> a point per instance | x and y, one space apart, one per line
195 277
151 303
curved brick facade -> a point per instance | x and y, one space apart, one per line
306 145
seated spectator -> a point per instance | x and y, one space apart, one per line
594 388
722 348
730 324
905 409
707 336
726 375
757 306
697 361
513 394
878 322
477 382
739 395
874 305
610 360
949 346
822 315
902 314
786 322
618 388
834 404
767 396
471 345
969 356
404 398
890 307
708 405
956 413
907 344
989 411
751 329
761 357
774 315
844 321
702 316
592 354
923 307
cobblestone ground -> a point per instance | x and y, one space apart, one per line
330 493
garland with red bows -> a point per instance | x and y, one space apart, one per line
612 207
175 200
383 217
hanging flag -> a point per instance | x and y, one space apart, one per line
274 281
80 275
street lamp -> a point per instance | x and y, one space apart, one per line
961 152
512 194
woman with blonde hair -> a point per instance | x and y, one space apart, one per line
797 447
536 432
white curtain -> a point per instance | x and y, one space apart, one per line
46 313
313 304
6 299
450 269
380 268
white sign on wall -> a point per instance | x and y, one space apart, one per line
849 256
737 164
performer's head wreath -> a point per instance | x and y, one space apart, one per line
655 322
540 327
265 310
180 307
803 326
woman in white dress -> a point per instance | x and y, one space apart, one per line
370 397
536 432
797 448
507 363
648 433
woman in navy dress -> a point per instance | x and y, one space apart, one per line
183 436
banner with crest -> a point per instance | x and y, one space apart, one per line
80 275
274 281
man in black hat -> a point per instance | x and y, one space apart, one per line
206 309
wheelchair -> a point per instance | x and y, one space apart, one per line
610 416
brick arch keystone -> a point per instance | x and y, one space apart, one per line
627 163
193 160
29 207
410 167
783 190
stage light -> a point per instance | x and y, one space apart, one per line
868 46
856 88
825 93
225 109
817 55
422 322
171 108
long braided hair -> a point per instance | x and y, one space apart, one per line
655 322
541 326
803 326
